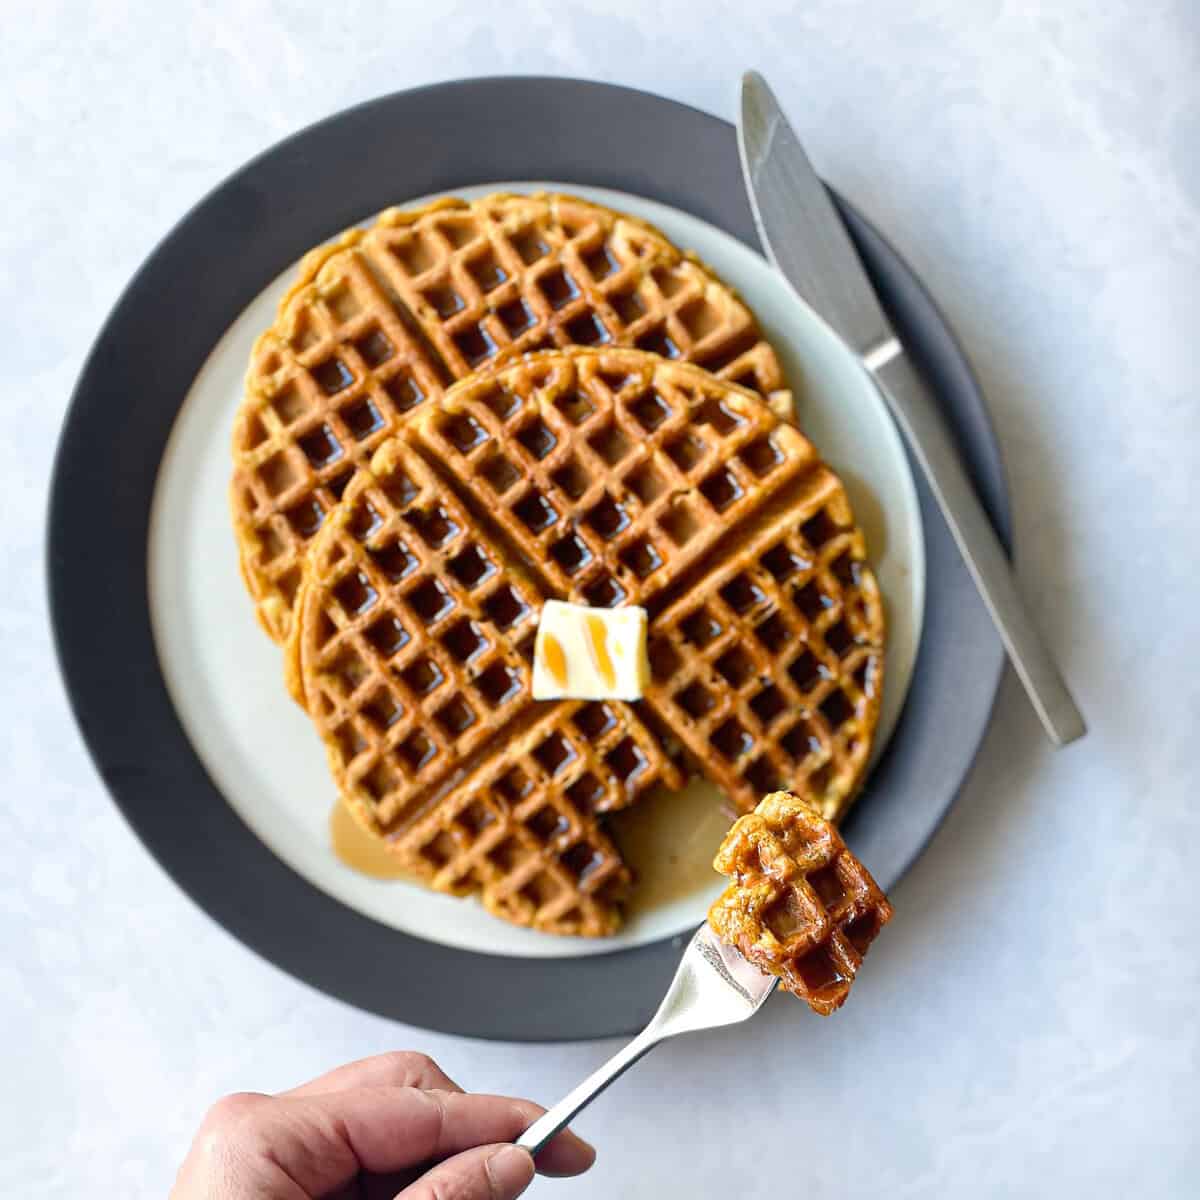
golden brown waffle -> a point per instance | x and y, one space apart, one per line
412 653
610 477
384 319
399 675
523 830
770 669
800 906
629 480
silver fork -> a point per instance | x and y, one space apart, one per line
713 986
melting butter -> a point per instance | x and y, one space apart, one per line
584 653
598 643
555 659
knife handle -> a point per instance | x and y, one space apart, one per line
915 411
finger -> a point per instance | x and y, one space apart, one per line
484 1173
399 1068
565 1154
388 1129
233 1153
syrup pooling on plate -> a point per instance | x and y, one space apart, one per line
667 842
361 851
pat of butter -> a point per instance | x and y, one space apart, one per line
584 653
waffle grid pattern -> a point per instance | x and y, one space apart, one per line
770 668
612 480
418 646
523 831
387 318
420 649
417 544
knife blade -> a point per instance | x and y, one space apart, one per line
804 237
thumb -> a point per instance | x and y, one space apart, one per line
485 1173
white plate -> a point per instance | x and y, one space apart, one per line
224 675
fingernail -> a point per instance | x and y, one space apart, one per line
510 1169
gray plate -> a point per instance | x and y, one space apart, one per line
173 312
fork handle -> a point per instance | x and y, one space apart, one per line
557 1118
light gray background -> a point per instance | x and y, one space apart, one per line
1028 1025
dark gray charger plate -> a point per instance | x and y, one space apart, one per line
171 315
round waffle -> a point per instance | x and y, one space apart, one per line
603 477
385 319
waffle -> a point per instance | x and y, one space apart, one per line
770 670
524 832
605 477
800 906
385 319
412 654
629 480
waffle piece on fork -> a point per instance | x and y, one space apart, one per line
800 905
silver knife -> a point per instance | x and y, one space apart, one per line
804 237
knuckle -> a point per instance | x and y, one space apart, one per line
527 1110
415 1062
408 1068
227 1119
437 1101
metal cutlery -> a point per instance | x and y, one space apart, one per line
713 986
804 237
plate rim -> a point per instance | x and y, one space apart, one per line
130 777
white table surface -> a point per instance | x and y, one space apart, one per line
1028 1024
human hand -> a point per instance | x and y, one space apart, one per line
384 1127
